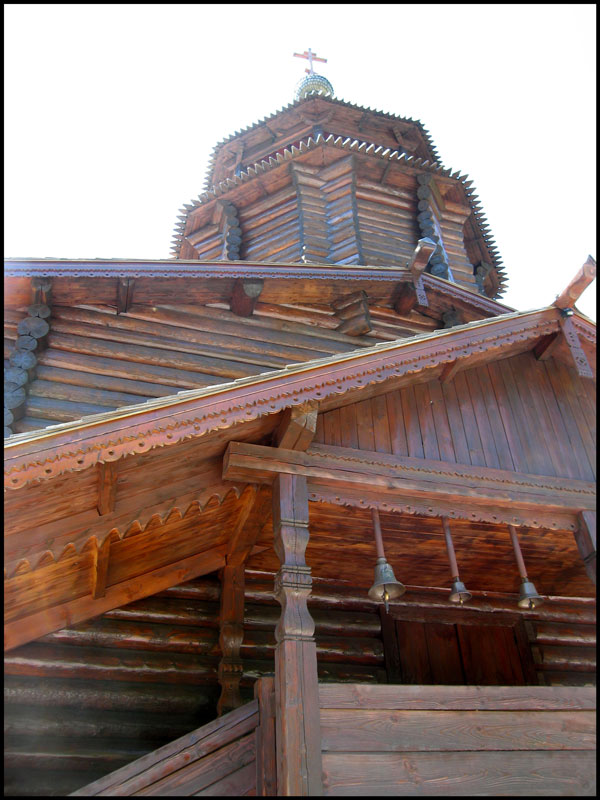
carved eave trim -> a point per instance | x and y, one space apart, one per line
363 479
247 270
164 421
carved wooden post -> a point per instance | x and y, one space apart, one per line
298 720
230 637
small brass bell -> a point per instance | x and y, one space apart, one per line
459 592
385 587
528 596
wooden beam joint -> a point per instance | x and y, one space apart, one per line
245 296
353 311
297 427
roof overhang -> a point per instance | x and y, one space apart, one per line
78 445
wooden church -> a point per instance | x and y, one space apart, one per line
304 509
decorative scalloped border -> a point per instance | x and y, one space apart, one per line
436 509
270 396
156 521
511 479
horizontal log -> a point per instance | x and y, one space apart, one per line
46 660
121 368
45 724
72 377
58 757
172 336
558 633
370 730
330 622
104 695
533 773
81 394
33 326
458 698
562 657
151 355
62 410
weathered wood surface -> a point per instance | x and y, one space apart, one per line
457 698
400 740
533 773
296 681
517 414
190 764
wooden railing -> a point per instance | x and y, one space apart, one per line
218 759
457 740
389 740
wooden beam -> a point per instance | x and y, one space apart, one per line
244 296
450 369
353 311
297 427
297 723
107 487
255 505
420 257
100 566
231 635
26 629
435 488
124 294
575 288
585 536
572 339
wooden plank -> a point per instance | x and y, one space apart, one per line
483 423
173 757
366 730
570 379
236 784
529 386
457 430
555 376
364 424
348 426
534 773
440 419
107 487
444 654
446 698
201 773
426 423
396 424
381 432
100 572
495 419
411 423
476 455
534 463
414 655
266 751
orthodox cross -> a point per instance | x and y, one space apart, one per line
311 57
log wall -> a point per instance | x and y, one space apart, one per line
518 414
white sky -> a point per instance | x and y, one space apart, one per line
112 111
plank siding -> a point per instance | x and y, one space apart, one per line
516 414
396 741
